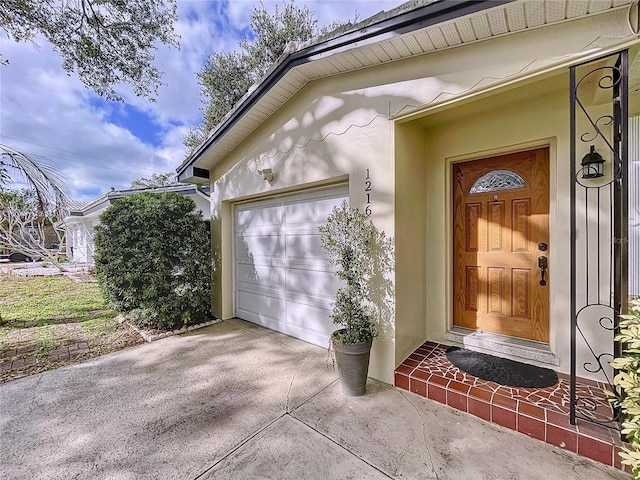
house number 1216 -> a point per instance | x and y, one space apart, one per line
367 191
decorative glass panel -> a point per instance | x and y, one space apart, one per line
497 180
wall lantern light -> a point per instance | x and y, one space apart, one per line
592 164
266 174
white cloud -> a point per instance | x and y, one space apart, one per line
198 26
329 11
46 112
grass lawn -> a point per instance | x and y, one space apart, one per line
48 322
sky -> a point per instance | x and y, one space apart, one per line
96 144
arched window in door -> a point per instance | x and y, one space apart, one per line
497 180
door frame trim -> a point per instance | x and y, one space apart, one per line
551 144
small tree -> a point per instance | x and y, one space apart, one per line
31 227
31 219
227 76
362 256
153 259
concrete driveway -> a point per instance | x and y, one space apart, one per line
235 401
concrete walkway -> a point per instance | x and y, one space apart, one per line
235 401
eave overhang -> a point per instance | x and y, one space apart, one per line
375 29
402 33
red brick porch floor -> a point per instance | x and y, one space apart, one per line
539 413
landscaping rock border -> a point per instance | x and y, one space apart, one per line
151 337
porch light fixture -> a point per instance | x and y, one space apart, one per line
266 174
592 164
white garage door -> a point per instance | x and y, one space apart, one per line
282 280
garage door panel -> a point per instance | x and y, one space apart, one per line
312 284
251 275
258 218
282 279
269 246
309 213
260 305
310 323
304 246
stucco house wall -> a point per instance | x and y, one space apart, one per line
405 123
336 138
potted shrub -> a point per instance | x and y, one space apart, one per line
354 248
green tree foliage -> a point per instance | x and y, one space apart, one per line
156 180
273 33
107 42
227 76
153 259
224 79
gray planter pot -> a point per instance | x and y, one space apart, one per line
353 366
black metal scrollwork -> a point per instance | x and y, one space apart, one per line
596 315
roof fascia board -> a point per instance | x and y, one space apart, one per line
102 203
105 200
89 207
417 19
410 21
185 189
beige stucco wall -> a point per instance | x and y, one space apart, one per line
412 241
334 129
522 125
507 122
327 136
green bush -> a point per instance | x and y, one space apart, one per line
153 259
627 383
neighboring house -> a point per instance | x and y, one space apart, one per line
450 123
83 218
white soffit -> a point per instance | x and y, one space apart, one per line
501 20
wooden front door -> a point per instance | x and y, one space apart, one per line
500 231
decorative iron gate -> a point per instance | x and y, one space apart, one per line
599 225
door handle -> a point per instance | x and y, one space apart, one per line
542 265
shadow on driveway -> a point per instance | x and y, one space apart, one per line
236 401
168 409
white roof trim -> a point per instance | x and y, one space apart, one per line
502 20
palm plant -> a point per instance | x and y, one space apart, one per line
45 182
27 214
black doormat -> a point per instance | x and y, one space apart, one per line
501 370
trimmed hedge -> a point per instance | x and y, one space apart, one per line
153 259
